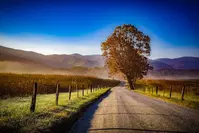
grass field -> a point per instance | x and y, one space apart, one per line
15 113
191 96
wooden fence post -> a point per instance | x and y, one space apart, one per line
82 90
87 88
170 91
163 92
91 87
77 90
69 96
156 90
196 91
34 96
57 93
152 90
183 90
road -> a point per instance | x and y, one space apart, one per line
124 111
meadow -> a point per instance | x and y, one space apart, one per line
173 87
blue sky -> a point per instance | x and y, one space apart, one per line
66 27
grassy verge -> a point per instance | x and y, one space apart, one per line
190 100
15 114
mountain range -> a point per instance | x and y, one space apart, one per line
11 59
53 61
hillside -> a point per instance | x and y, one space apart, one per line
158 65
19 61
53 61
182 63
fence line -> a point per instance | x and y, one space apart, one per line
74 86
168 92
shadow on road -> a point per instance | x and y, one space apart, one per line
86 119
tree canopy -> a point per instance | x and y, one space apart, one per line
126 51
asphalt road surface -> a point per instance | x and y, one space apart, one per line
124 111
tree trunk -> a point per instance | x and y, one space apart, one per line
131 84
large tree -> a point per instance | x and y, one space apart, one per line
126 51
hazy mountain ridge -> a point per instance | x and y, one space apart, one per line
19 61
182 63
54 61
159 65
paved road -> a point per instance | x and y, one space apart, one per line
125 111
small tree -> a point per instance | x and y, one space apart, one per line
126 51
